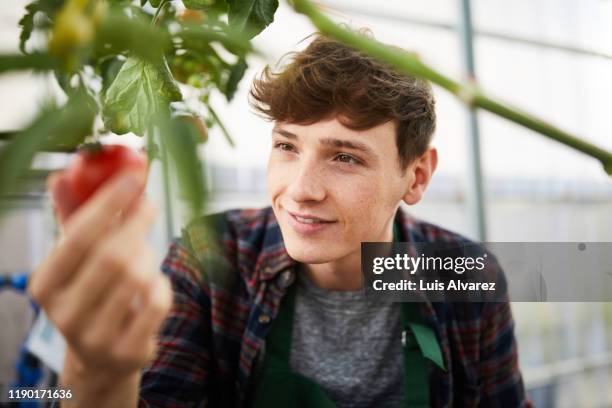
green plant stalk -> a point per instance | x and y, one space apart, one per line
46 147
466 92
179 139
224 130
36 61
160 12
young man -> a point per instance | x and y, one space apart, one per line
270 312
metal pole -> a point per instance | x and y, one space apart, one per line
475 187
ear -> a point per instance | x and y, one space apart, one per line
419 174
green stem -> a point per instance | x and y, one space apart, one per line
159 12
466 92
224 130
36 61
546 129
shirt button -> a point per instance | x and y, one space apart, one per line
408 339
264 319
286 279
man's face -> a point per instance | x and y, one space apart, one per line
332 187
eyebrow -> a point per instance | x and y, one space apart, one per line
346 144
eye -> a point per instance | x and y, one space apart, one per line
346 158
283 146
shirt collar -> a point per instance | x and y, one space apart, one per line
274 258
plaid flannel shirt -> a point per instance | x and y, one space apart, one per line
227 292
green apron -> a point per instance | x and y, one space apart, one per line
279 387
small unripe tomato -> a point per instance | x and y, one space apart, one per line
71 30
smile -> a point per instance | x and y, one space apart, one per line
307 224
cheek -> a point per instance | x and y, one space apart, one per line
274 178
365 205
358 201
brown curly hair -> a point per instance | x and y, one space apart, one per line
330 78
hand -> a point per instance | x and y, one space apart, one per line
100 285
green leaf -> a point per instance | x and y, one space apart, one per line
214 68
251 16
236 73
119 34
109 70
200 37
50 7
180 139
56 128
63 80
140 91
198 4
27 24
47 7
215 10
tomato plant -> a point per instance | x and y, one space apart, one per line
129 63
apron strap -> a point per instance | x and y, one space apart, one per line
278 341
281 388
420 334
420 343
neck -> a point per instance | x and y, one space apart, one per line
343 274
339 275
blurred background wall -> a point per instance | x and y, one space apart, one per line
536 190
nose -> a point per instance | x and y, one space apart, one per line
307 183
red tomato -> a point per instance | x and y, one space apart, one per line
95 164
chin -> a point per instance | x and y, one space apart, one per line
309 252
310 257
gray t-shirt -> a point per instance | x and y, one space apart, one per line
348 345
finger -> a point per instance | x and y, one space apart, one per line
108 319
82 231
114 312
119 260
148 320
123 312
137 224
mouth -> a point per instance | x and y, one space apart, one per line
308 223
308 219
